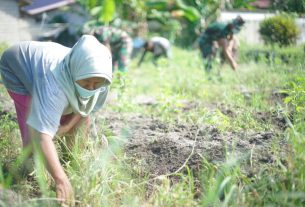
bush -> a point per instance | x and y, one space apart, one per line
280 29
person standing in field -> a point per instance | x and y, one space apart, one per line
219 35
119 42
158 46
55 89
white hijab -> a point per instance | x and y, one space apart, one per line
88 58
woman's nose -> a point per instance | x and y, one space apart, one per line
90 87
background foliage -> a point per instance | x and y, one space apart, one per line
178 20
297 6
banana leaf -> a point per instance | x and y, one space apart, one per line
158 5
108 11
190 13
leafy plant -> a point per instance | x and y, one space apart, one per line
296 98
101 10
177 19
280 29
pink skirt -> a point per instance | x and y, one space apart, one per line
22 106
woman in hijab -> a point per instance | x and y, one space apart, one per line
54 89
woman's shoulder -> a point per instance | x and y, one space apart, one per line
45 55
48 47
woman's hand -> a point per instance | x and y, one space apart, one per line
62 129
71 122
46 147
64 192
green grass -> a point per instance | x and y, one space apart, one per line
107 177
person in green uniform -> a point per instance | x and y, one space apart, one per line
219 34
119 42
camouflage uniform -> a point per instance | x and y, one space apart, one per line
215 32
120 44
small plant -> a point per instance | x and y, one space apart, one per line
280 29
296 98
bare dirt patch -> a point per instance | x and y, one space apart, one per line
163 148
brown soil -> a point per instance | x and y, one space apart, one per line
163 148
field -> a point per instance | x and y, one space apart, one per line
178 137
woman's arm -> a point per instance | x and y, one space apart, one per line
64 189
69 124
70 128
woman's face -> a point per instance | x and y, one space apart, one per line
91 83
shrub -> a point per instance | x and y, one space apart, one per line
280 29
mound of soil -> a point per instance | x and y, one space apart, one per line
164 148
